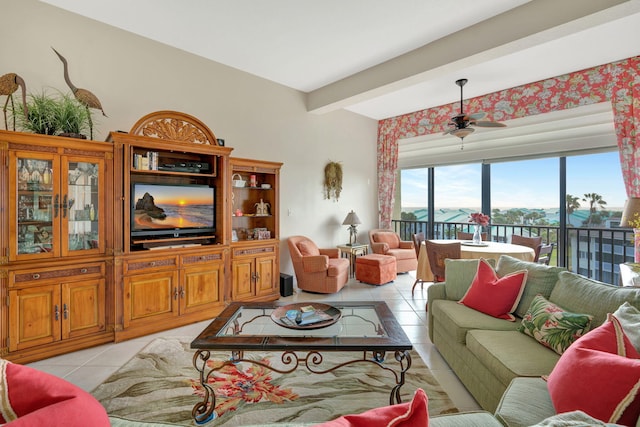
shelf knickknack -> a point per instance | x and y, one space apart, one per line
332 180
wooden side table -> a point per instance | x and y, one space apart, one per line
351 252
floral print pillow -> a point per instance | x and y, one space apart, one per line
552 326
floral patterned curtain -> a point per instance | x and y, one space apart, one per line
387 167
585 87
625 100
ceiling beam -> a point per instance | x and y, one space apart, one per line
531 24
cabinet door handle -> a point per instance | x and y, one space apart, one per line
65 311
182 292
64 206
175 294
36 276
257 277
56 205
56 312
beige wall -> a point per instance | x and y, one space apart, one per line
133 76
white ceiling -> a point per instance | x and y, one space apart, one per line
382 58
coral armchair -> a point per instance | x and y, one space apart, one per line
387 242
317 270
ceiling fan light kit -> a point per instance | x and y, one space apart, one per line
462 132
461 124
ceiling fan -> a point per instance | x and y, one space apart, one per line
461 125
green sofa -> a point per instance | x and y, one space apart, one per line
490 356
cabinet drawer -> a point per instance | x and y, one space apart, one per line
38 276
254 251
152 264
201 258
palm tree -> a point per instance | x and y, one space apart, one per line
593 199
573 203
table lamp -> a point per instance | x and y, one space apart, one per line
352 221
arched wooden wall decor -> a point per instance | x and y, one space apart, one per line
175 126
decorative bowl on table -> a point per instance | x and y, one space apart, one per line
306 315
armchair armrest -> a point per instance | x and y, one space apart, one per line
406 244
331 253
434 292
315 263
379 248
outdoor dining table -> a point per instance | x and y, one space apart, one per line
468 250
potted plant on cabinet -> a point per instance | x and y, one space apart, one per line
72 117
62 115
41 116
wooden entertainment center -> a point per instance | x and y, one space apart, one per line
86 260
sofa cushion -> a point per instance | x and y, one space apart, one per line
510 354
604 361
391 239
629 318
337 266
577 293
573 419
308 248
456 320
459 274
400 254
552 326
493 295
525 402
465 419
541 279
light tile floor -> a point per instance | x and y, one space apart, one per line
90 367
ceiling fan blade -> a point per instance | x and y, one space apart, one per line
477 116
488 124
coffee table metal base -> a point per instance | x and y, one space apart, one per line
204 411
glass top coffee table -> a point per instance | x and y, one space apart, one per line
369 328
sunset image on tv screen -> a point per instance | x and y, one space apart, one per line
172 207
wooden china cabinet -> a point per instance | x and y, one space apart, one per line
56 245
255 260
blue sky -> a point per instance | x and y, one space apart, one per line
527 183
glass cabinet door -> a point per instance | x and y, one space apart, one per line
80 205
35 199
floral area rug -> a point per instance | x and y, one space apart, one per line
160 384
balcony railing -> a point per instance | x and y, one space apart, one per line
590 251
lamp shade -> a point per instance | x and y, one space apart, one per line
630 212
351 219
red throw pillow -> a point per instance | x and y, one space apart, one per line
493 295
34 398
600 375
414 413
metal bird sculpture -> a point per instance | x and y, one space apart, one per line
9 83
85 97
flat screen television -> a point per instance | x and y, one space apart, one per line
172 210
